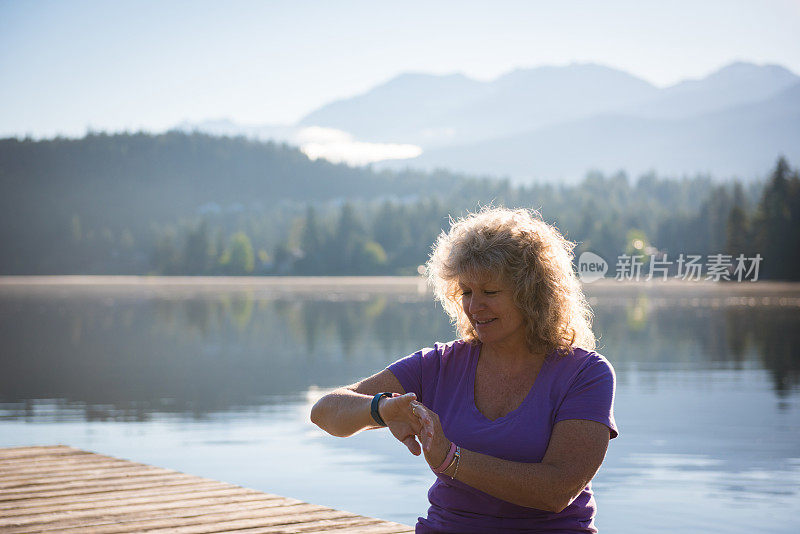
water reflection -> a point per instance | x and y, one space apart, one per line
689 335
125 357
219 386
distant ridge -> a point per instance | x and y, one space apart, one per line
432 110
735 84
557 122
738 141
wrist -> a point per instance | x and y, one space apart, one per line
375 408
452 469
381 408
447 461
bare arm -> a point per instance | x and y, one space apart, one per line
347 410
576 450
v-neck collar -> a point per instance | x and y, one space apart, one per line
473 370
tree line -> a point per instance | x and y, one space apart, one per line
97 204
192 204
603 214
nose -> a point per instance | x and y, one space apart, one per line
475 304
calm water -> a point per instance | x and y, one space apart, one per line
220 385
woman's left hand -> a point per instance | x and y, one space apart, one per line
435 444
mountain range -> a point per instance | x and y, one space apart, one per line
555 123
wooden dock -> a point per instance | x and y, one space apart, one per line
64 490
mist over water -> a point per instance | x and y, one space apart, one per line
219 385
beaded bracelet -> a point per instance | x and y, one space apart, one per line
448 460
457 460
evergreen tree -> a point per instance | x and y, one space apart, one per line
165 256
738 238
311 244
198 250
391 230
347 242
776 224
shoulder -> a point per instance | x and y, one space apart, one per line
453 349
446 354
422 371
440 353
581 365
581 358
586 389
589 358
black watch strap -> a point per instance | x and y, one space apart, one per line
374 409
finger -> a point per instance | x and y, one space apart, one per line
414 413
426 435
427 421
430 426
427 441
412 445
403 402
431 418
413 424
416 426
408 398
423 411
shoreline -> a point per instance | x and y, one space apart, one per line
226 281
366 284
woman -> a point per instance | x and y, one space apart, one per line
515 417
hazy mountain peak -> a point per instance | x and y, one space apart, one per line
740 69
397 109
564 72
423 84
550 120
425 77
770 77
732 85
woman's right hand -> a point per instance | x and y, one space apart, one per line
398 415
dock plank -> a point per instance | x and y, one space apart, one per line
62 490
136 510
100 488
41 478
90 501
31 452
56 466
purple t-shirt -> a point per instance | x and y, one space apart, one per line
577 386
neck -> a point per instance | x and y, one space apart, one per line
511 356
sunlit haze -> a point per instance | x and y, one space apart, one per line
71 66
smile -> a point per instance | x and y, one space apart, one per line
484 322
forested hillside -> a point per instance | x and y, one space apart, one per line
97 204
194 204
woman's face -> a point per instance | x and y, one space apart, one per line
489 305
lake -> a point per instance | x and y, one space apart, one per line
215 377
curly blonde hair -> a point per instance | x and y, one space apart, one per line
529 255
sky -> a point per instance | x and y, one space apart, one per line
67 67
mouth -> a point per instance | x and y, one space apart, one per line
487 321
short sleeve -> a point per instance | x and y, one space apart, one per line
417 372
591 394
